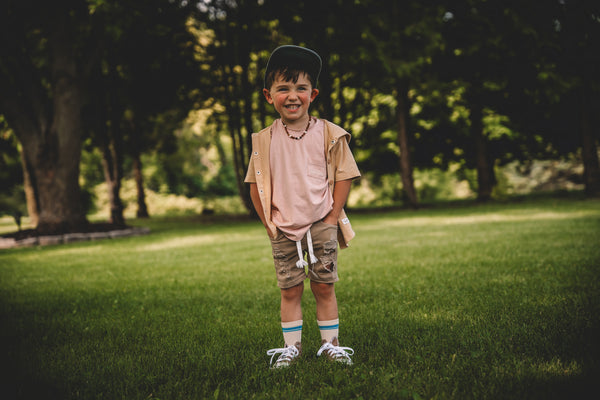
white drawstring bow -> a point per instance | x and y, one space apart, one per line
301 263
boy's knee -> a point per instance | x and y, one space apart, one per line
322 289
292 293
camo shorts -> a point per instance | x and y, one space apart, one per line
285 256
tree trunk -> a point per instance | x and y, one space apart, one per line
247 142
51 175
52 147
51 172
485 170
58 193
325 86
142 209
239 165
112 154
30 192
111 167
234 123
406 169
589 150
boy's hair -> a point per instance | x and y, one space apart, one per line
288 75
290 61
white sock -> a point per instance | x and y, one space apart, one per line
292 332
329 329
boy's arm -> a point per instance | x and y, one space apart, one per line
341 189
254 196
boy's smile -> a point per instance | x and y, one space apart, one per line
292 100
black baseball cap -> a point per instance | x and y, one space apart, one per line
295 57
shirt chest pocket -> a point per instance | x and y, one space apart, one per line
317 171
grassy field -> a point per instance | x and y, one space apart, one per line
468 302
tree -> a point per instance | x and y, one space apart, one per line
400 42
43 64
147 68
480 56
236 61
120 62
576 33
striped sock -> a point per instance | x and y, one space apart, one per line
329 329
292 332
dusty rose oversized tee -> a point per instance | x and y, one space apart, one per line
301 194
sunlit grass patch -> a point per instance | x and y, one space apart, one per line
482 301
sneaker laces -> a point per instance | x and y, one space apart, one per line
287 354
337 353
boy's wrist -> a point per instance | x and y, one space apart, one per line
330 219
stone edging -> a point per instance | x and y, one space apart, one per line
7 243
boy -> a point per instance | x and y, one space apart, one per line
300 174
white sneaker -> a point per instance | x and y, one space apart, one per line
335 352
286 355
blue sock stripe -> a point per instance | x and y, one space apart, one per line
292 329
328 327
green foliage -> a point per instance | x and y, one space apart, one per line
165 203
432 185
91 173
11 174
12 197
435 185
473 302
180 83
199 165
224 183
12 202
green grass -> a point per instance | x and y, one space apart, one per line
469 302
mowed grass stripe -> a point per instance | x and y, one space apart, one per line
481 301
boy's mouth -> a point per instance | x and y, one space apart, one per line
292 106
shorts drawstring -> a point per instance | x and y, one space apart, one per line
301 263
313 259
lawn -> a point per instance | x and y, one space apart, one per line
464 302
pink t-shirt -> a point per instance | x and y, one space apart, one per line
301 194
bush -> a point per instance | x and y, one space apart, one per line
166 204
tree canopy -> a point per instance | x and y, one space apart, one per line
418 85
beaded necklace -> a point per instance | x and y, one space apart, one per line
296 137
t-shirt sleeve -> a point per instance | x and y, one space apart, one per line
346 167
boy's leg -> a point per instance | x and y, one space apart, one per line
327 319
291 315
323 275
291 303
324 293
290 280
291 326
327 310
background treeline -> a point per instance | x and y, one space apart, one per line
438 96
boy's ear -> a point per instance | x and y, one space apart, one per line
267 95
314 94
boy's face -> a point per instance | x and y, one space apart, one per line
291 100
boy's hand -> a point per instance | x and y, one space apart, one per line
330 219
340 195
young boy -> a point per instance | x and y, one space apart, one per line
300 174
